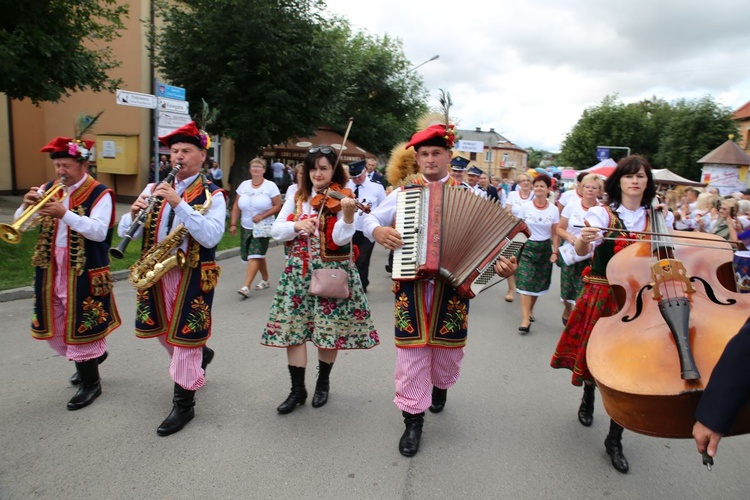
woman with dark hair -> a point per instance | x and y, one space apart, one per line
630 191
534 274
318 231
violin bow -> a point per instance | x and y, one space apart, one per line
626 232
343 143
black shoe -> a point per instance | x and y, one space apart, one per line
586 410
524 329
89 387
75 379
408 445
298 396
439 397
208 356
183 411
388 269
322 387
613 445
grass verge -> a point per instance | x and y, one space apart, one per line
15 260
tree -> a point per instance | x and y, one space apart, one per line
274 84
49 49
379 91
695 129
670 136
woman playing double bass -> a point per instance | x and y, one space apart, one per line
630 190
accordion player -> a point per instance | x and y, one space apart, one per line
438 241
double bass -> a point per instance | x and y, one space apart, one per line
678 308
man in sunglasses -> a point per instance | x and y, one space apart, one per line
427 364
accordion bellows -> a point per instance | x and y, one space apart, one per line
450 232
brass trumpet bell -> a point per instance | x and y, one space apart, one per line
11 233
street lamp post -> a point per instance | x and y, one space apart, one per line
422 64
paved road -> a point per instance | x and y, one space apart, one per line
509 429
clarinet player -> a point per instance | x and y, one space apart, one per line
176 309
427 365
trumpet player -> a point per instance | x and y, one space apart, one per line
176 308
74 308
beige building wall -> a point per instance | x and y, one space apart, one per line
6 179
34 126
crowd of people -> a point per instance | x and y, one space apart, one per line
329 221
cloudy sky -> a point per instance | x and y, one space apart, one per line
529 68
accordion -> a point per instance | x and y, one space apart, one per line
451 233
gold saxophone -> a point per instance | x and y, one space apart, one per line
159 259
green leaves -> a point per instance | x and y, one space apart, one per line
671 136
49 49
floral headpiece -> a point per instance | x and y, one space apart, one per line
74 147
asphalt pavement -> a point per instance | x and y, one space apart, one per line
509 429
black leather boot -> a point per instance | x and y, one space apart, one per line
613 445
409 443
439 397
586 410
76 379
89 387
322 385
208 356
183 411
298 396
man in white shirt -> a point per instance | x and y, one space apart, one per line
425 360
371 194
177 307
74 308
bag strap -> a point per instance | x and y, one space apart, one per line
317 231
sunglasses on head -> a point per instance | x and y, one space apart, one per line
326 150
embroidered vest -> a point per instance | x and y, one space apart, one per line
190 325
445 324
607 248
91 309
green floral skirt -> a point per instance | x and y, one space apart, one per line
571 279
534 273
297 317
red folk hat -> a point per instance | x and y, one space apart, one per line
188 133
434 135
67 147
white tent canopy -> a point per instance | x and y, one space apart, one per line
666 176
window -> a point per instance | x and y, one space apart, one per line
488 156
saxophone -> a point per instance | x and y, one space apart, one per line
159 259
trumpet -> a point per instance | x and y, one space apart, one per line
140 219
11 233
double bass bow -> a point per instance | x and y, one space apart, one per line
678 308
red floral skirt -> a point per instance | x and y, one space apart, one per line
596 301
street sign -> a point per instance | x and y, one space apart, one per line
602 154
170 91
168 119
166 104
470 146
127 98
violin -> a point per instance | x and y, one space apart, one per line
678 309
333 196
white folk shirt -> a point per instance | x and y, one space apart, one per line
634 220
515 201
206 229
540 221
370 193
283 230
94 227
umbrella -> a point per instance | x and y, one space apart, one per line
604 171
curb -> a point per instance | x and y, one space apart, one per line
27 292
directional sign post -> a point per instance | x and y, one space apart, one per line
127 98
170 91
173 105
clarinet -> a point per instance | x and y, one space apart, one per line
140 219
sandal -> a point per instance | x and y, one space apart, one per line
244 291
262 285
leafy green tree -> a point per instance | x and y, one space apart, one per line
277 69
671 136
695 129
49 49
